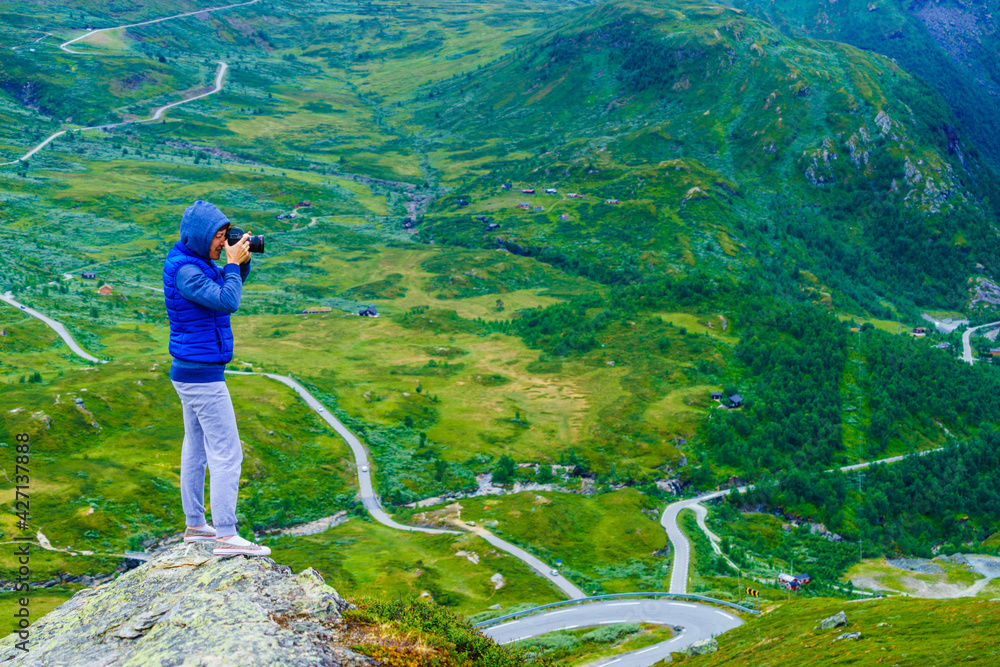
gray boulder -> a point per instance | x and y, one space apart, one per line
838 620
920 565
187 606
703 647
848 635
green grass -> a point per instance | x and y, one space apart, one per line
893 631
605 541
110 468
362 558
40 603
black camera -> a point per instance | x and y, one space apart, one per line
256 242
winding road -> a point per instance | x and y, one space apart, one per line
64 46
56 326
698 621
368 498
373 506
682 547
679 542
967 344
157 113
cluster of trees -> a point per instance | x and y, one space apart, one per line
568 328
944 499
910 384
644 59
794 357
564 328
35 377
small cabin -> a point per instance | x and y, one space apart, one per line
88 275
613 202
316 309
368 312
716 395
305 203
104 290
551 191
565 216
537 208
736 400
507 186
528 191
919 331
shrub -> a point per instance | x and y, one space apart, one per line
413 632
610 633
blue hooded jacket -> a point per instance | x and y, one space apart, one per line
200 297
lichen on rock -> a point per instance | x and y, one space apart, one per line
188 606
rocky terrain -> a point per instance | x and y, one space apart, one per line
188 606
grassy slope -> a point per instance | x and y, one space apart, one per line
738 111
109 470
606 543
364 558
916 632
943 42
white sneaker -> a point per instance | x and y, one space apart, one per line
236 545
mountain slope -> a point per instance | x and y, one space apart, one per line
952 44
725 142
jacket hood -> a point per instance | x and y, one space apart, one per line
199 224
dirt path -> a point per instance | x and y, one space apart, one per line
158 111
65 45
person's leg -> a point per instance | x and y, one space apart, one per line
213 408
193 459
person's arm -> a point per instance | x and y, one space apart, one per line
245 270
195 286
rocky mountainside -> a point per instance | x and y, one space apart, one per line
952 44
188 606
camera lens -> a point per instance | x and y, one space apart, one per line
256 242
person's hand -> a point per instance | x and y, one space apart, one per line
238 253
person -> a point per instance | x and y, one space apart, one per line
199 299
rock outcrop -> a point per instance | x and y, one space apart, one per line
703 647
190 607
838 620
